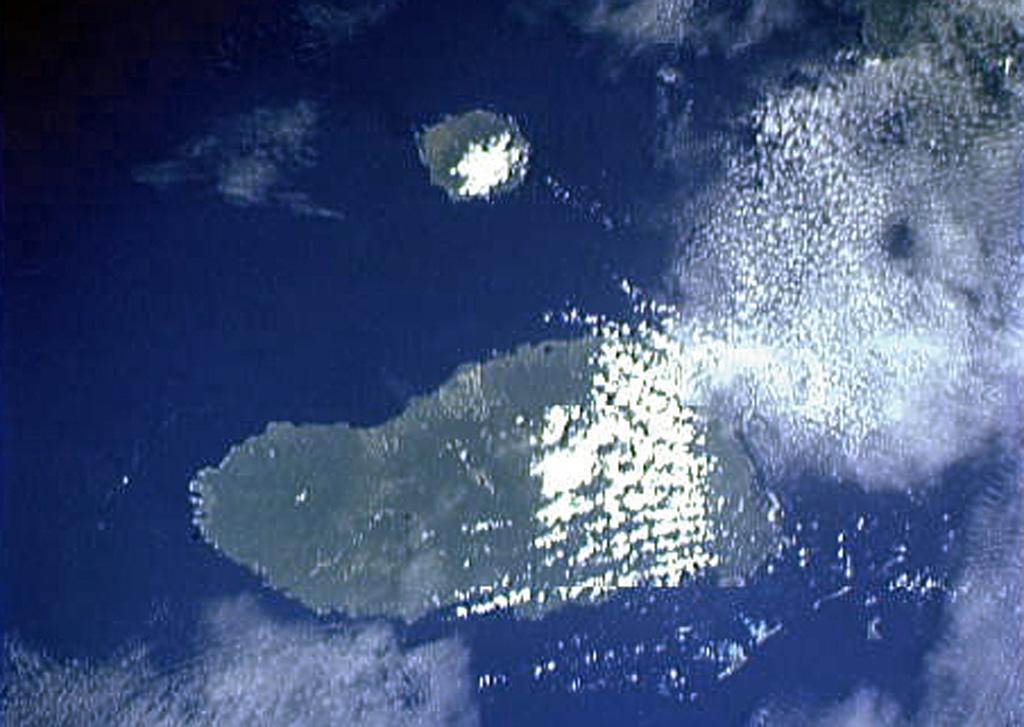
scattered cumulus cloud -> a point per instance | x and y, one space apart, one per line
251 670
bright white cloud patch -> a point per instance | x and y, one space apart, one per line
488 164
853 283
250 671
630 464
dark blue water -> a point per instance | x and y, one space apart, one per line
145 332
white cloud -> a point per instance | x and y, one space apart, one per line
251 670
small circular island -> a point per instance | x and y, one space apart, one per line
476 155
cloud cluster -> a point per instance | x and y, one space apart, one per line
251 670
853 297
853 283
699 25
249 160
